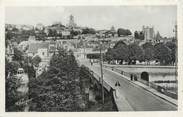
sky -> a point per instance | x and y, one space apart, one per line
162 18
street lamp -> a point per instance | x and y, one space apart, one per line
86 96
176 54
84 45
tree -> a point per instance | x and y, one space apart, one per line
110 55
11 67
136 35
52 33
88 31
12 96
58 88
128 32
123 32
120 32
12 83
141 36
41 35
93 56
36 60
121 51
18 55
148 51
74 33
162 53
173 47
9 35
135 52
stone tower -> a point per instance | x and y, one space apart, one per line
71 22
148 33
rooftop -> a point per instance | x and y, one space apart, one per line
33 47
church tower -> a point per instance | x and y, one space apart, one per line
71 22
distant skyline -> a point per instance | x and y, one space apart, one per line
162 18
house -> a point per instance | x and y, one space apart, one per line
9 52
39 26
66 34
23 45
52 47
39 48
32 39
44 50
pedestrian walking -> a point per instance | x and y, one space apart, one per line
91 62
117 85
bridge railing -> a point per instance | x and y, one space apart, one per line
105 84
107 87
128 75
164 90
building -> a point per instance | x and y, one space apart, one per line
148 33
39 26
24 80
158 38
65 34
65 44
71 24
25 27
40 48
44 50
23 46
31 39
9 52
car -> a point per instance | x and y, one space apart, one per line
20 71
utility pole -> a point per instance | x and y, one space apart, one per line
84 42
101 68
176 53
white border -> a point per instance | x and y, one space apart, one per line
4 3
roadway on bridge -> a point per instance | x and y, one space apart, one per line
138 98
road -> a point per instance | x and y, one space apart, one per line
138 98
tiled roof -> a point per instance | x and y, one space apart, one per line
33 47
52 48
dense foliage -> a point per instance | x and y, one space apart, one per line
139 35
123 32
58 88
148 51
18 55
162 53
12 96
11 85
165 53
88 31
36 60
11 67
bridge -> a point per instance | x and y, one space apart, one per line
131 95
